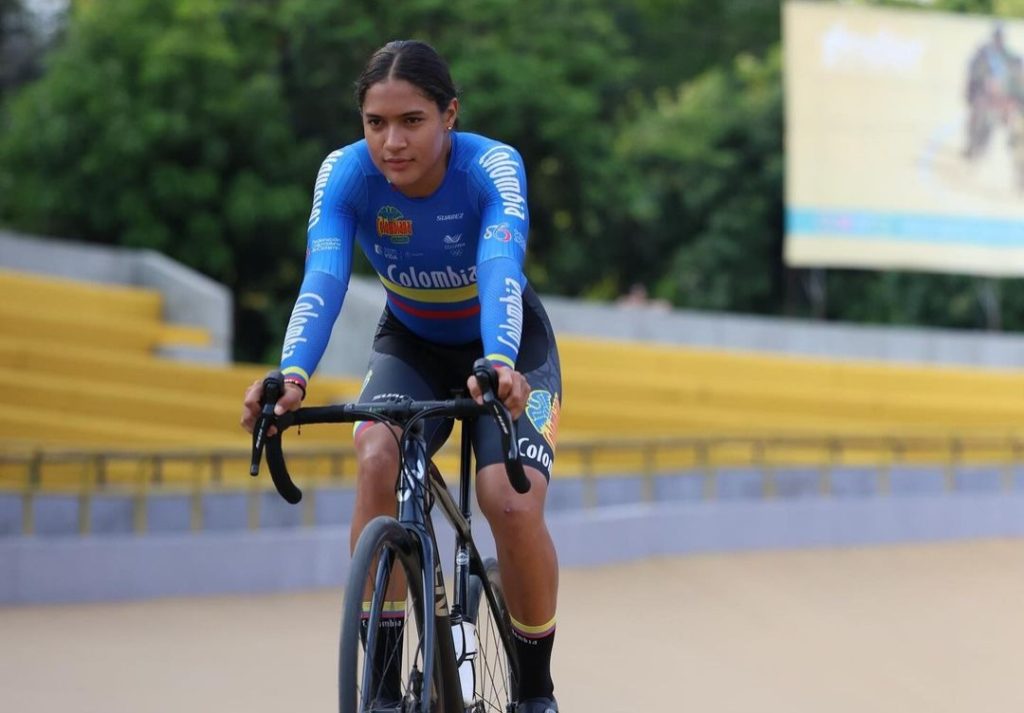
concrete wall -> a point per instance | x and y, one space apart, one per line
349 347
189 297
599 521
108 513
788 336
36 570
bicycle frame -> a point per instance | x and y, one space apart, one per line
419 477
419 486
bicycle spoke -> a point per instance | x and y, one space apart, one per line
494 685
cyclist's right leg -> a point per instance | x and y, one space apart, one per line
377 466
376 471
391 373
400 366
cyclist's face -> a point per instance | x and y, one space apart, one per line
407 135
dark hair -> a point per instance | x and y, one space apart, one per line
417 63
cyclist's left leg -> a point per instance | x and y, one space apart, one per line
529 571
526 553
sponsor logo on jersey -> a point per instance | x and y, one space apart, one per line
320 187
501 232
320 245
306 309
542 408
394 226
504 233
453 244
511 330
502 168
450 216
432 279
387 253
535 452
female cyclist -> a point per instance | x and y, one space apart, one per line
442 216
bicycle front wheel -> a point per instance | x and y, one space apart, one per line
382 656
495 669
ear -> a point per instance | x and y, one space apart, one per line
451 114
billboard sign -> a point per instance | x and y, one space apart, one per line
904 140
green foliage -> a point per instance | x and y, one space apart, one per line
707 214
152 128
651 129
675 40
542 75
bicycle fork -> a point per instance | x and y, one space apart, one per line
416 518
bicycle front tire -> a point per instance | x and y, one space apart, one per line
360 686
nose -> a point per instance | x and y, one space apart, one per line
394 139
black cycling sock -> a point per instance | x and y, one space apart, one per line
387 659
533 646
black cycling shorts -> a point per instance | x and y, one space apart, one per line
403 364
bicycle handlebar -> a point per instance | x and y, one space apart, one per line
397 410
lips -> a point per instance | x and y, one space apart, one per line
397 164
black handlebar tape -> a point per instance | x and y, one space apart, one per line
279 471
516 474
487 377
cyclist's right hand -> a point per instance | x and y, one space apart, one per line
290 401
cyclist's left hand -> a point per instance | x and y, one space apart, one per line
513 389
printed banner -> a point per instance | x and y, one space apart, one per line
904 140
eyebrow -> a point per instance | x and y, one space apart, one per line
414 112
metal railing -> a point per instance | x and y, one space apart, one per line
85 474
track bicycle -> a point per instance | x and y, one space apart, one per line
453 659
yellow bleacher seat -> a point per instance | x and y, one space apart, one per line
79 367
82 313
57 295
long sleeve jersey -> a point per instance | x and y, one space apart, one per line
451 263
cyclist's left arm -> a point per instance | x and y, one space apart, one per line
501 251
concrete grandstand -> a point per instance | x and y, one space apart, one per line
122 404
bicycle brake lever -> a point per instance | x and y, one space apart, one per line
487 377
273 389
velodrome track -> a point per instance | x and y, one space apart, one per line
932 628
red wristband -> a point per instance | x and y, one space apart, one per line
297 382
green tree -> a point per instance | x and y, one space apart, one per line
676 40
195 127
707 206
152 128
546 76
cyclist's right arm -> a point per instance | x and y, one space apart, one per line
329 245
330 241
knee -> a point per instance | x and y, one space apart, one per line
377 468
509 511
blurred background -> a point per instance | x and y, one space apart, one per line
779 243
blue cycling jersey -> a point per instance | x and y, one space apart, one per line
451 263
